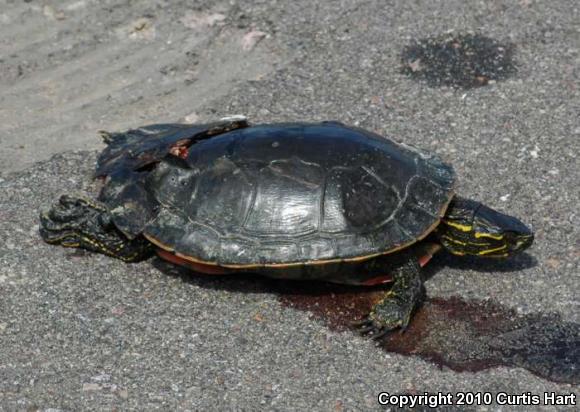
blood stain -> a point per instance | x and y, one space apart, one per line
461 335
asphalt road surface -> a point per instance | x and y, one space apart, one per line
80 331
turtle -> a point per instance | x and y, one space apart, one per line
306 201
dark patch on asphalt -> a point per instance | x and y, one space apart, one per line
464 336
458 60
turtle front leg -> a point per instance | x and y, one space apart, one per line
87 224
397 306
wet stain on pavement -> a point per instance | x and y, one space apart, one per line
458 60
464 336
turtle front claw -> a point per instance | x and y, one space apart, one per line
391 313
394 311
369 329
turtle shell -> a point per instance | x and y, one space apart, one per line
295 193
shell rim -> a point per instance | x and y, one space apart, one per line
422 236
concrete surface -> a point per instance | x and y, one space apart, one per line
80 331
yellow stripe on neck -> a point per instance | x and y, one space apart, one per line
463 228
489 235
486 252
467 243
459 242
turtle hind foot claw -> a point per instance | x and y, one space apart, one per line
83 223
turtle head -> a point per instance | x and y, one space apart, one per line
470 228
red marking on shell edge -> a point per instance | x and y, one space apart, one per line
378 280
423 260
197 267
428 251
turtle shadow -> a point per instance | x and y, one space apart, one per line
446 260
255 283
248 283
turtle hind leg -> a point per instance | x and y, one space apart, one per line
397 306
86 224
